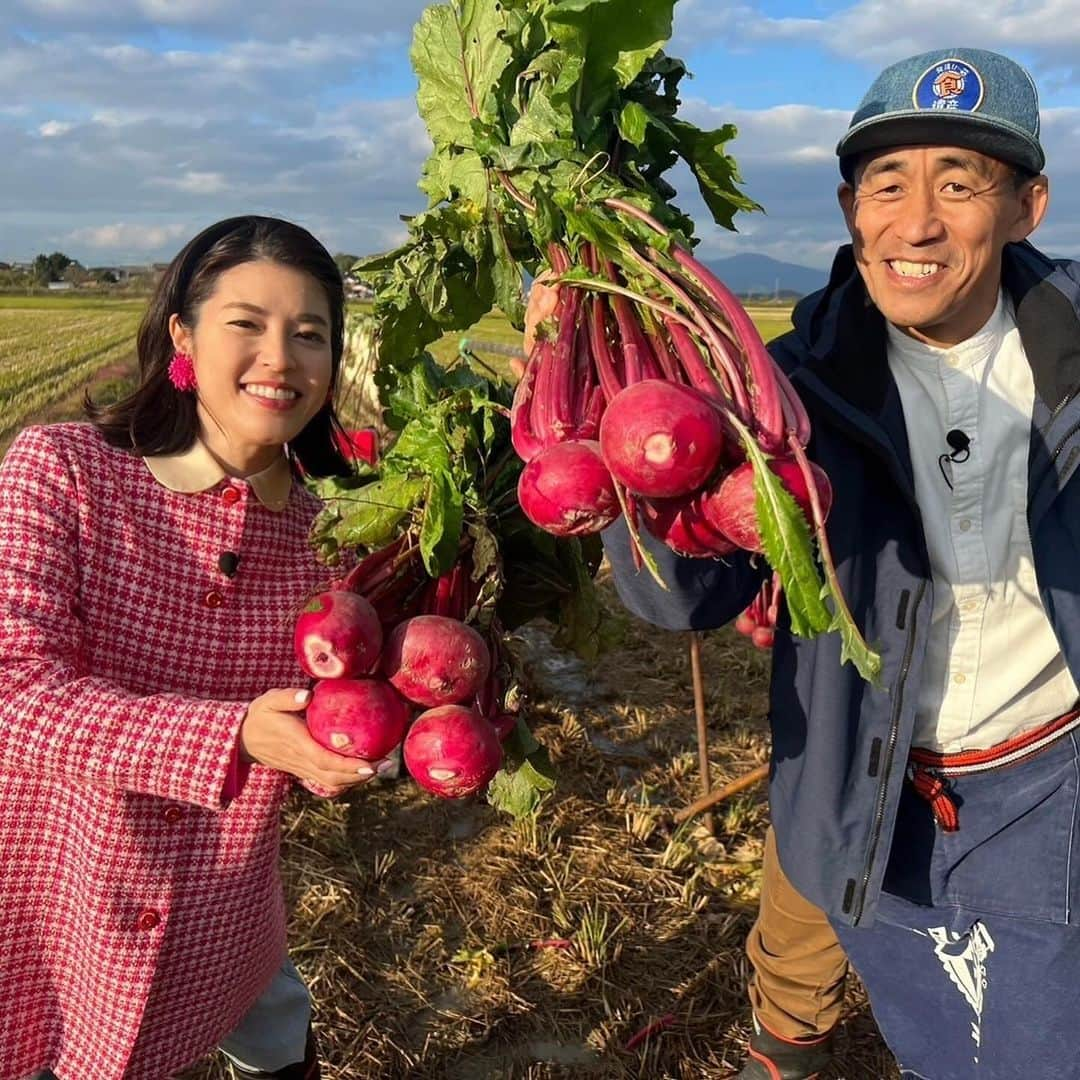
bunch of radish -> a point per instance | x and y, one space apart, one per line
758 621
397 666
640 396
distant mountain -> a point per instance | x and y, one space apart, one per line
760 275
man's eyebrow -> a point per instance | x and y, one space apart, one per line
979 166
882 165
256 310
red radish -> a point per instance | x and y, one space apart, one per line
567 489
435 660
504 725
362 718
452 751
762 637
683 528
338 635
730 507
745 624
661 438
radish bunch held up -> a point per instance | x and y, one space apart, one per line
371 683
648 392
670 381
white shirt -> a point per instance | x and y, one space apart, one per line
994 667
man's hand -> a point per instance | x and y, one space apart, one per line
274 734
541 306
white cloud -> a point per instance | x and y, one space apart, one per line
52 128
195 183
881 31
128 236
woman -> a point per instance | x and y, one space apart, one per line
150 702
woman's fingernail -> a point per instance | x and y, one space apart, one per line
365 771
302 697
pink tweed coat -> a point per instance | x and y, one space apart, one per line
141 911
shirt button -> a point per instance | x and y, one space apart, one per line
148 919
965 524
970 605
173 814
213 599
230 495
959 678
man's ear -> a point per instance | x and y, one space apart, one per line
845 195
180 334
1034 197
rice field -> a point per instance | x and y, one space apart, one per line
50 349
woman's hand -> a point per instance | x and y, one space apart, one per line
274 734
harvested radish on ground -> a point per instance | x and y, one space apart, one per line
567 490
362 718
452 751
731 508
338 635
435 660
661 439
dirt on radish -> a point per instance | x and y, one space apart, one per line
413 918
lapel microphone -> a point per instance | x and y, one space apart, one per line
959 451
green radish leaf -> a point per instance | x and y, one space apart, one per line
369 516
633 121
451 173
607 43
788 546
715 171
506 277
852 647
440 532
459 53
526 776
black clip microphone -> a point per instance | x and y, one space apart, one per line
960 451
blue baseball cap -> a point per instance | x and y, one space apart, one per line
972 98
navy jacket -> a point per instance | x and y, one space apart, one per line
839 746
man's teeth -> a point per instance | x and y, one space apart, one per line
913 269
275 393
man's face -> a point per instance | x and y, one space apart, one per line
928 224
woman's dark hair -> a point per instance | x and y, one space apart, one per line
156 418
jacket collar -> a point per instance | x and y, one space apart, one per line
845 334
196 469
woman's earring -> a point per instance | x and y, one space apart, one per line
182 371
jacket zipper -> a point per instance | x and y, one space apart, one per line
894 734
1064 439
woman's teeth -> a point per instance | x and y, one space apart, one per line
275 393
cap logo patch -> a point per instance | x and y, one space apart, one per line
949 86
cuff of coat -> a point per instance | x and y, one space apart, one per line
236 777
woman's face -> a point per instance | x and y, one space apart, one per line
261 350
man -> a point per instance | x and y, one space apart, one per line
932 818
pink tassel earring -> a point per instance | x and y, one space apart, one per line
182 372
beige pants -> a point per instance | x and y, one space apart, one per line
797 988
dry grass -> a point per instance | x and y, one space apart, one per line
412 919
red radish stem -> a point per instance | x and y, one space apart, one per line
649 1030
767 410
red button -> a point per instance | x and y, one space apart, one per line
213 598
148 920
230 495
173 814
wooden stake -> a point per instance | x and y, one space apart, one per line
702 725
706 802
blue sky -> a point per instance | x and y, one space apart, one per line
127 125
